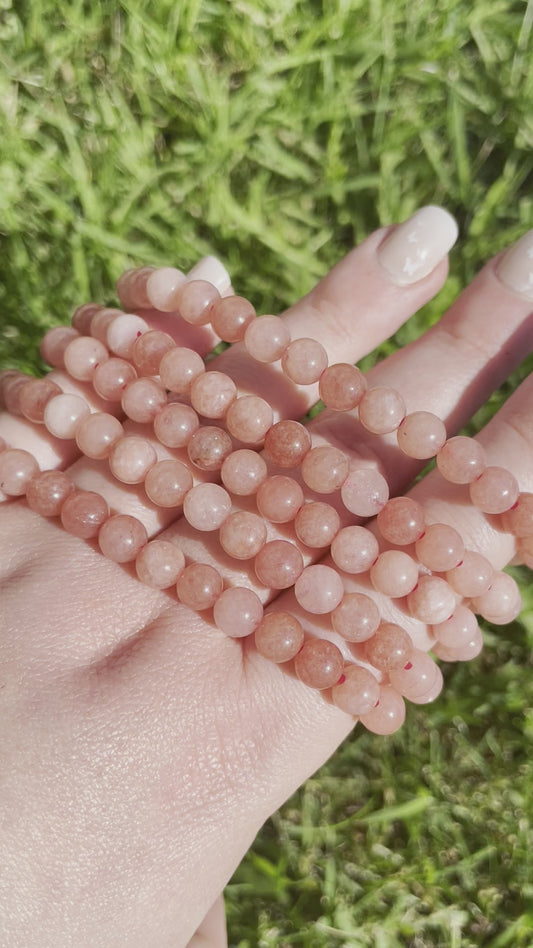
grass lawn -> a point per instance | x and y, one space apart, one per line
276 134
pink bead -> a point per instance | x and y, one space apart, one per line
471 577
149 349
432 601
196 299
390 647
243 472
279 637
64 413
82 356
162 288
319 589
55 342
458 630
12 390
287 443
304 361
34 397
501 603
132 288
316 524
354 549
325 469
175 424
159 564
356 618
131 458
266 338
358 691
461 460
342 387
167 483
243 534
461 653
178 369
199 586
83 513
82 317
111 379
365 492
440 548
519 520
249 418
401 521
17 468
208 447
237 612
101 322
381 410
495 491
434 689
421 435
279 498
142 400
388 715
206 506
319 664
212 394
231 317
97 434
416 678
121 538
47 492
123 332
278 564
394 574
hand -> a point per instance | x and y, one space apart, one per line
143 749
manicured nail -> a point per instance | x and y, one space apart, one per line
414 248
211 269
515 268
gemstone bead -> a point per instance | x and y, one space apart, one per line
243 472
35 396
249 418
416 677
83 513
54 343
199 586
112 377
121 538
287 443
461 460
325 469
82 317
341 387
17 468
279 498
519 520
390 647
63 414
401 521
206 506
159 564
304 361
421 435
212 394
208 447
495 491
101 322
472 576
358 691
97 434
440 548
142 399
243 534
356 617
132 288
278 564
354 549
122 333
231 316
266 338
131 458
365 492
394 574
149 349
388 715
175 424
46 492
82 356
460 653
319 589
167 483
195 301
316 524
237 612
163 288
319 664
178 369
279 637
501 603
458 630
381 410
432 600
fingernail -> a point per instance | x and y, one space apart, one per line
414 248
211 269
515 268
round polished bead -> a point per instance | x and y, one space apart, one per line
47 492
304 361
342 386
460 653
279 498
34 397
519 520
167 483
212 394
356 617
162 288
502 602
54 343
195 301
178 369
495 491
472 576
237 612
175 424
82 356
243 534
401 521
142 400
432 600
101 322
365 492
319 664
149 349
121 538
394 574
231 316
82 317
325 469
316 524
390 647
131 458
17 468
266 338
278 564
416 678
279 637
199 586
123 332
381 410
12 388
208 447
249 418
132 288
111 378
434 689
319 589
354 549
421 435
287 443
97 434
64 413
458 630
440 548
461 460
357 692
388 715
83 513
206 506
159 564
243 472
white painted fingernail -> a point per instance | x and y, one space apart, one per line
515 268
211 269
414 248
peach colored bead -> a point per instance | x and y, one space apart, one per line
279 637
231 316
358 691
101 322
390 647
341 387
195 301
12 389
316 524
519 520
97 434
278 564
266 339
47 492
495 491
249 418
356 618
206 506
432 601
401 521
421 435
279 498
365 492
417 676
159 564
35 396
319 589
461 460
162 288
237 612
63 414
472 576
17 468
287 443
381 410
199 586
112 377
149 349
142 399
458 630
82 356
131 458
121 538
304 361
433 691
7 376
388 715
178 369
175 424
394 574
83 513
243 472
243 534
132 288
502 602
462 653
208 447
54 343
325 469
440 548
167 483
82 317
212 394
123 332
319 664
354 549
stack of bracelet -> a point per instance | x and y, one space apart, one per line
197 413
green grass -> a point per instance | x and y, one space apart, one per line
277 135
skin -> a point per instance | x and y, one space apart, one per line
142 750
